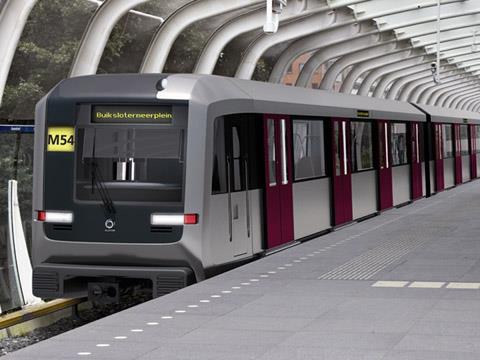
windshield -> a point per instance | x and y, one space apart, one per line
134 164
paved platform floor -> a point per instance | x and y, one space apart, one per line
403 285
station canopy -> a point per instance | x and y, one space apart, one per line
420 51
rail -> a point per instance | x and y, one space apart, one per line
37 311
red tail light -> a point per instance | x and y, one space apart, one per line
190 219
41 215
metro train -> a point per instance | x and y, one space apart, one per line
167 179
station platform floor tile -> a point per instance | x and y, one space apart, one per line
404 285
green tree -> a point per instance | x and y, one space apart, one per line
42 59
44 54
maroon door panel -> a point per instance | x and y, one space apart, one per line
341 177
416 161
385 186
473 151
458 153
439 170
278 180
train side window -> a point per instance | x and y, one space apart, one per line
464 139
238 154
336 134
272 175
421 142
308 149
477 138
256 161
382 139
398 141
447 141
237 142
361 146
219 179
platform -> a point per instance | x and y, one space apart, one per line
402 285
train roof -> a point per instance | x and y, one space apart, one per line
281 99
224 95
331 103
439 114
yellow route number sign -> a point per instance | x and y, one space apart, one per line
61 139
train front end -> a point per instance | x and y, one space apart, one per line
109 190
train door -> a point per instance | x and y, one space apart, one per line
385 186
278 179
416 164
457 153
236 143
439 168
341 174
473 151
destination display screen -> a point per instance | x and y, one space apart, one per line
132 114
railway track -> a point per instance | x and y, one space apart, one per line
25 327
38 311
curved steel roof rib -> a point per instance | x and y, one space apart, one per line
293 30
379 48
162 42
13 16
248 22
97 33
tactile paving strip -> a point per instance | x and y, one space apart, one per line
366 265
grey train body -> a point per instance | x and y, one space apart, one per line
231 225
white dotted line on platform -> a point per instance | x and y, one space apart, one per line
216 296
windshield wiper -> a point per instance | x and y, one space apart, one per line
98 183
